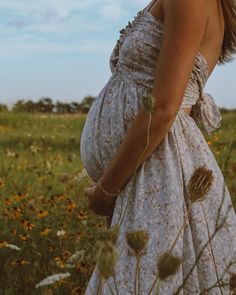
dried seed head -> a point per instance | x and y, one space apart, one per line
106 259
64 177
71 157
232 282
137 240
200 183
168 265
149 102
110 234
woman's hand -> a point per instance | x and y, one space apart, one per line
100 203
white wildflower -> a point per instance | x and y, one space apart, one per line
48 164
53 279
13 247
61 233
10 153
83 174
79 255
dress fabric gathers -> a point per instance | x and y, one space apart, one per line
160 190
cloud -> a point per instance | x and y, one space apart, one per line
112 11
19 24
59 25
48 15
60 8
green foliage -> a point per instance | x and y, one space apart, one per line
46 105
3 108
40 195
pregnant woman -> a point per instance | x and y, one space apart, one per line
166 54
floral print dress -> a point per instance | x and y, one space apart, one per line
160 200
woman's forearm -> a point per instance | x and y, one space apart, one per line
125 160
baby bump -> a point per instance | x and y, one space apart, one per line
106 124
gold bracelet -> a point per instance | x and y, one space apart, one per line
107 193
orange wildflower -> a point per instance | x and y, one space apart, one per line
24 237
13 231
3 244
20 262
1 182
71 206
59 262
8 201
42 213
17 197
45 231
26 224
17 212
82 215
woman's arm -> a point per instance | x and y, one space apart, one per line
184 27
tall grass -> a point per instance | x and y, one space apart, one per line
43 208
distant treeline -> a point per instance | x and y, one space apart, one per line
46 105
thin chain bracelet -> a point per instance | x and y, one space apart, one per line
107 193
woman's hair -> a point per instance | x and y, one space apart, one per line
229 43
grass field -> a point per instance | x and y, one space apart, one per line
43 206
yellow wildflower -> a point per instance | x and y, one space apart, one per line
26 224
59 262
24 237
45 231
71 206
42 213
8 201
20 262
1 182
3 244
82 215
17 212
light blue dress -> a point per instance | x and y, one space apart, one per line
160 189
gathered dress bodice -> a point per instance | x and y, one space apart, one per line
135 56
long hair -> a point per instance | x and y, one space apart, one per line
229 42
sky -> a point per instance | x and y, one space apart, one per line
61 49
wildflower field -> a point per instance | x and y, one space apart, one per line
46 227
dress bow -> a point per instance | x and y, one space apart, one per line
207 113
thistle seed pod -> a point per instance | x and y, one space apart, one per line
106 259
149 102
137 240
71 157
109 235
200 183
63 177
168 265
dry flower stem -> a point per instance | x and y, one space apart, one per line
115 282
137 274
199 255
212 252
